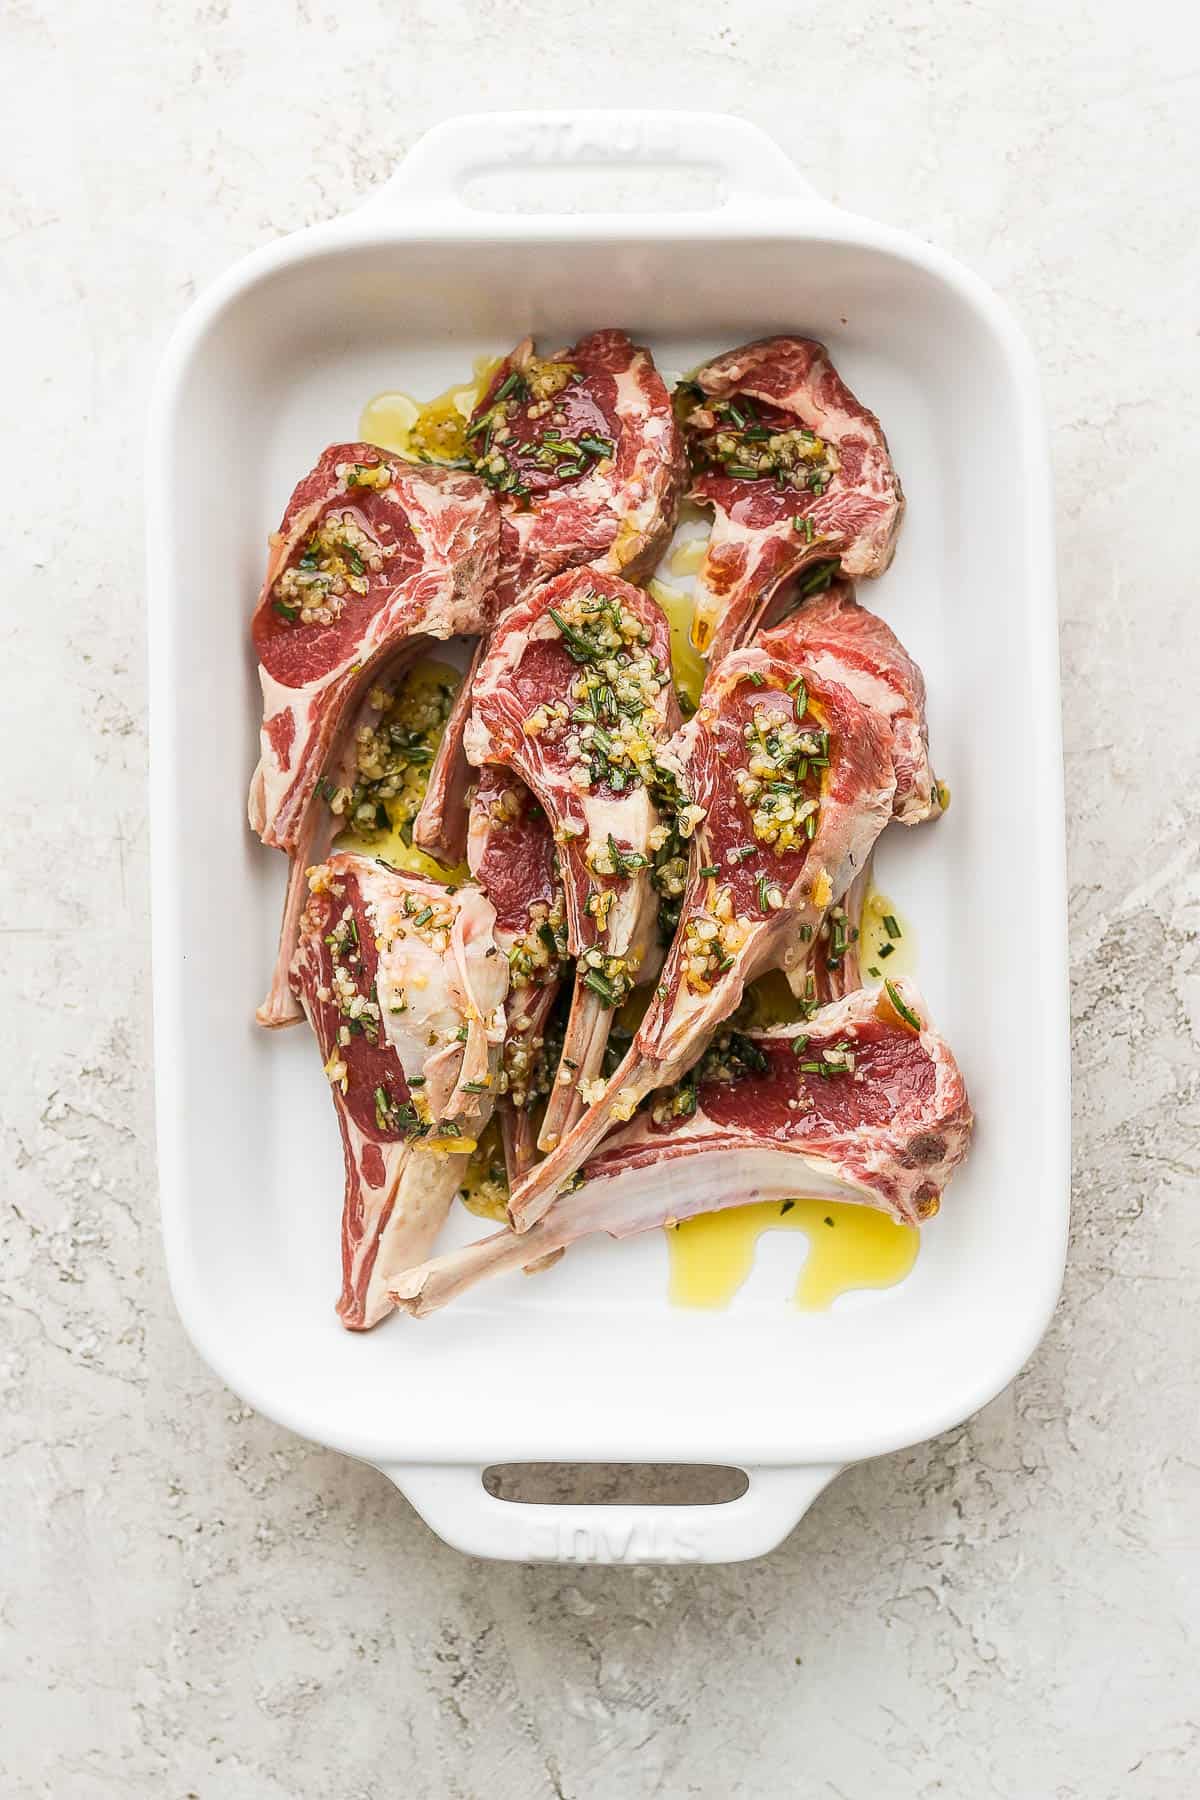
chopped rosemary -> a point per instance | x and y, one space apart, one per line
898 1001
405 1118
578 646
625 862
601 985
819 579
508 386
837 1059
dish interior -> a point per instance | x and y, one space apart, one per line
590 1360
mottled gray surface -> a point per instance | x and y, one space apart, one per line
195 1603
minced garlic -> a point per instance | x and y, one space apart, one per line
537 957
393 753
366 475
711 941
782 757
615 717
732 436
599 905
337 561
425 916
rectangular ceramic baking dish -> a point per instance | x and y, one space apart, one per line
590 1362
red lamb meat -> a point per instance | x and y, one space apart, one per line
587 463
585 457
784 784
374 559
863 1103
797 473
841 640
404 987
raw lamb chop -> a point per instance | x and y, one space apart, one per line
585 457
404 988
374 558
863 1103
797 473
510 850
576 696
784 783
840 640
587 463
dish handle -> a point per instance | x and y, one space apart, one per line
750 168
453 1502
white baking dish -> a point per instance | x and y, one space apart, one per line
589 1362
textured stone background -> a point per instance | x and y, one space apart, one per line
195 1603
